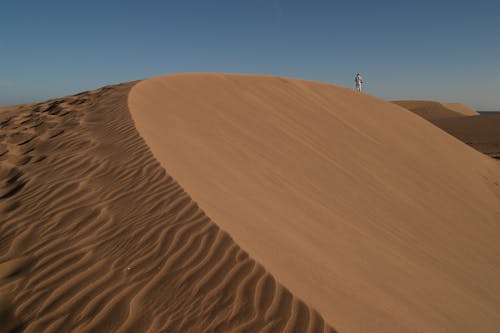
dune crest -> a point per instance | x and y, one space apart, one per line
369 213
432 110
96 237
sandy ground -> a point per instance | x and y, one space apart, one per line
432 110
480 132
372 215
96 237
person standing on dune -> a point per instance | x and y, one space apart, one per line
359 81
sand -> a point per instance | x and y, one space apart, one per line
480 132
432 110
95 236
367 212
227 203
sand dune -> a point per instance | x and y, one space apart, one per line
96 237
461 108
372 215
431 110
480 132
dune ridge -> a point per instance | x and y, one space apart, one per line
96 237
432 110
368 212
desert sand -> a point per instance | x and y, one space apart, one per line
96 237
372 215
432 110
232 203
480 132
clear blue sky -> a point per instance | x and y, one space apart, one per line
442 50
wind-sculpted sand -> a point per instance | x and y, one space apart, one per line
96 237
480 132
432 110
371 214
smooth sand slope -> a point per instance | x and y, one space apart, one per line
96 237
372 215
432 110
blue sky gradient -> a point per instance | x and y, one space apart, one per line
439 50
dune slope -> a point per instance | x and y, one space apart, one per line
432 110
369 213
480 132
96 237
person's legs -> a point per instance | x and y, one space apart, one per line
358 87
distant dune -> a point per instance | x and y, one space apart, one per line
480 132
369 213
432 110
96 237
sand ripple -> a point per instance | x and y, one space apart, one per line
96 237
